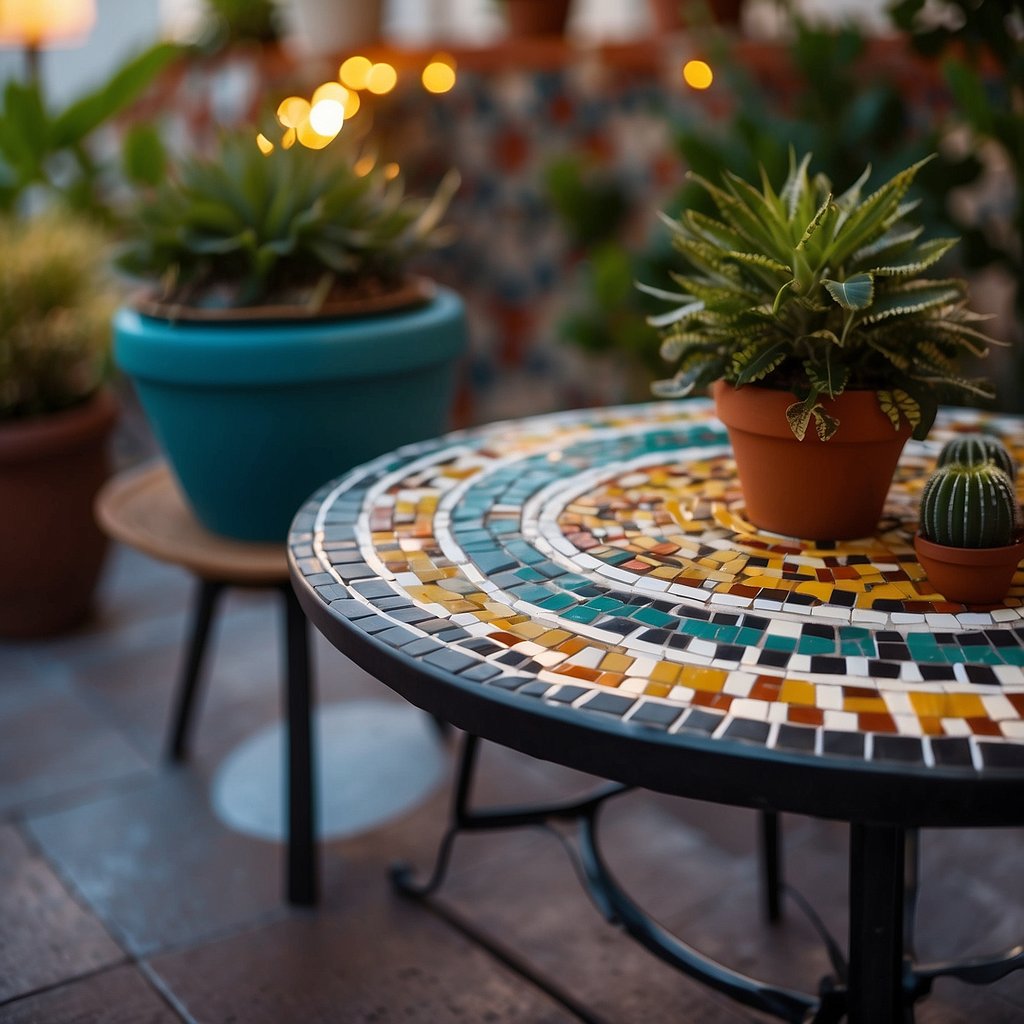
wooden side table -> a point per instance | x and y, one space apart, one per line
144 509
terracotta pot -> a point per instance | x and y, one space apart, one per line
969 575
51 549
536 17
813 489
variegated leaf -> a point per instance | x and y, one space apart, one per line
825 424
914 297
799 416
754 362
675 316
854 293
815 222
897 404
919 259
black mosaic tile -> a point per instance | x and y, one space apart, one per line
450 660
421 647
610 703
774 659
700 721
828 666
745 729
952 751
981 675
567 694
843 744
332 592
651 713
397 637
1002 755
884 670
905 749
936 673
796 738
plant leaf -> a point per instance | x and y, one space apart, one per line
855 292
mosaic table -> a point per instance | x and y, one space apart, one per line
584 587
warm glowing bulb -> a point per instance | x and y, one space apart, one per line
390 171
697 74
36 22
381 79
293 111
265 145
326 117
353 72
438 77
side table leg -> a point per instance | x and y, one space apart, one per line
205 604
302 854
875 987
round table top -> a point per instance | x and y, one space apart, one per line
144 508
584 587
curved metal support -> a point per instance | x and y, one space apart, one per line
979 970
787 1004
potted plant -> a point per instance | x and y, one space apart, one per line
55 419
968 540
286 340
805 307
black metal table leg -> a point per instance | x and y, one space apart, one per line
875 988
302 859
771 865
206 595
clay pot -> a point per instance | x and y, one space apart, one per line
969 575
536 17
51 549
812 489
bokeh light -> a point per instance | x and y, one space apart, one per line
326 117
364 164
351 104
330 91
697 74
438 76
310 137
381 79
288 139
391 171
266 147
353 72
293 111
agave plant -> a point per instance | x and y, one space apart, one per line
815 293
240 228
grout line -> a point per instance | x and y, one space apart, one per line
163 990
74 979
504 955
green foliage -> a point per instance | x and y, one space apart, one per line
974 449
239 228
982 56
56 301
814 292
969 506
49 150
235 21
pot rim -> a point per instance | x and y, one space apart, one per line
23 440
967 556
762 410
411 292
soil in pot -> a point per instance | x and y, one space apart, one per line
812 489
51 549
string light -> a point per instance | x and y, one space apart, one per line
439 75
353 72
266 147
381 79
293 111
698 74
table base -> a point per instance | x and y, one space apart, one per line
879 985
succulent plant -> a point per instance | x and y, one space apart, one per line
973 449
811 292
969 506
240 228
56 300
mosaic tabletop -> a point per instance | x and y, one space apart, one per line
600 561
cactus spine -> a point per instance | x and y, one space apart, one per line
973 449
964 506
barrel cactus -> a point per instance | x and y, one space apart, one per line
973 449
969 506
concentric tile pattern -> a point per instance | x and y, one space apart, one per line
603 560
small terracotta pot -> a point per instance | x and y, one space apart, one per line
812 489
969 575
51 549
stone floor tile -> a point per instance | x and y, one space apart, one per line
158 868
46 937
118 996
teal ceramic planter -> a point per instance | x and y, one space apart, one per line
254 417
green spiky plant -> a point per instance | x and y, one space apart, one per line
969 506
56 300
975 449
294 227
815 293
